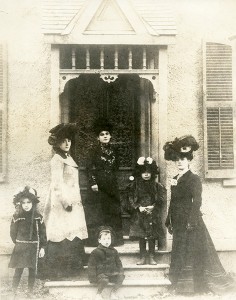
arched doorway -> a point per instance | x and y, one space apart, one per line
126 102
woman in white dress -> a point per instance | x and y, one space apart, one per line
64 212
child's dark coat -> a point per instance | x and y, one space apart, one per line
145 193
104 260
26 250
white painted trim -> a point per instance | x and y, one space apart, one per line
163 100
55 104
110 39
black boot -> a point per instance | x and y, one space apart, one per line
143 252
151 248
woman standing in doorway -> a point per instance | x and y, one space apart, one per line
195 266
64 213
102 166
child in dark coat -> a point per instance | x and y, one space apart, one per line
28 233
104 264
146 198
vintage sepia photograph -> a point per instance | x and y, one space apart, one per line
118 149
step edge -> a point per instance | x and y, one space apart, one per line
143 267
85 283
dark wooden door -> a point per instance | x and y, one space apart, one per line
88 98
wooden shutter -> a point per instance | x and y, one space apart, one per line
219 115
3 111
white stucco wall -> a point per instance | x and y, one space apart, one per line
198 21
28 106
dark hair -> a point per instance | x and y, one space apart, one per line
102 124
61 132
26 192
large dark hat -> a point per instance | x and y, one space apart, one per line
180 148
146 165
62 131
25 192
102 124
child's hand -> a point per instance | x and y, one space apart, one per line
69 208
41 253
94 187
142 209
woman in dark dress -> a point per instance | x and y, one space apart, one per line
102 166
195 266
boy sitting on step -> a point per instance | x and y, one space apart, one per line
104 264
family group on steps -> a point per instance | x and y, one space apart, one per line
57 238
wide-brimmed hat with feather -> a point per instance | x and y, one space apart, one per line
62 131
180 148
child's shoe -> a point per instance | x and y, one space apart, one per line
98 297
142 261
151 260
115 295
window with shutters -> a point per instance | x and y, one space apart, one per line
219 114
3 111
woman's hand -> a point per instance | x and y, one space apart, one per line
149 209
142 209
41 253
69 208
94 188
170 229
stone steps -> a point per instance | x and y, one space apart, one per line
145 280
86 291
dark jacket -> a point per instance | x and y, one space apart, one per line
145 193
20 229
27 243
104 260
185 201
102 165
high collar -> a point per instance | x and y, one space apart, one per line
62 153
184 176
100 246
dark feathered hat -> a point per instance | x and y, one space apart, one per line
146 165
25 192
62 131
180 147
102 124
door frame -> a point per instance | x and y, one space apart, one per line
157 77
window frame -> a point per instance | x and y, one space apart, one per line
218 173
3 110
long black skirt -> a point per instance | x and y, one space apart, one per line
63 259
195 266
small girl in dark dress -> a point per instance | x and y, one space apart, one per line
102 168
28 233
146 198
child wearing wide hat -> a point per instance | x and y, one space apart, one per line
146 198
28 233
104 264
